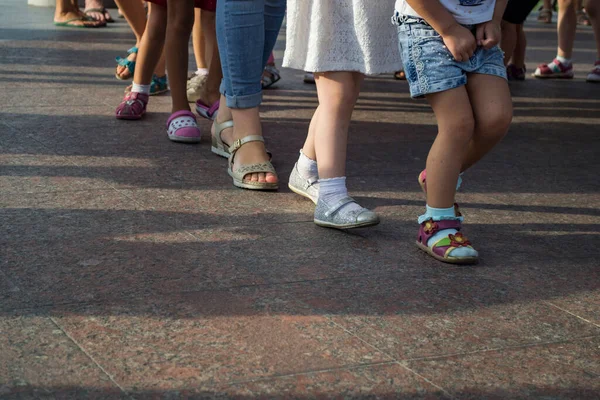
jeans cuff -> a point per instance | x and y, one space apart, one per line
245 101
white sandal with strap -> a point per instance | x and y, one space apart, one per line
240 172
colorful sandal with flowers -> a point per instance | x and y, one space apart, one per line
449 249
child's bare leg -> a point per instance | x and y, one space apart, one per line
198 40
161 67
209 33
456 125
209 93
518 55
593 10
567 26
509 40
337 92
151 46
492 109
179 29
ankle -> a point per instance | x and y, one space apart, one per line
564 60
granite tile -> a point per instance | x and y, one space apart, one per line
198 341
568 370
408 315
585 305
40 361
387 381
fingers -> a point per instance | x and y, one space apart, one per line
489 43
480 34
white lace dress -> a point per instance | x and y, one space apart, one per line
341 35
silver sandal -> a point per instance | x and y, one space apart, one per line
239 173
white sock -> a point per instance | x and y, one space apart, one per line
332 190
307 167
145 89
564 61
202 71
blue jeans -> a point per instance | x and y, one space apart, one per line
246 32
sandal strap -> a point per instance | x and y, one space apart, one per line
220 128
134 49
336 207
246 139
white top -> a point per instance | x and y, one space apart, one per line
341 35
468 12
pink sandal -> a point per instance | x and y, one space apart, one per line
441 250
207 112
182 127
132 107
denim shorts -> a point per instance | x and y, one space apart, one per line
430 67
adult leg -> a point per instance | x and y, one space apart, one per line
245 39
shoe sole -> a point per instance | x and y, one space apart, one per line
453 260
553 76
303 193
181 139
219 152
345 227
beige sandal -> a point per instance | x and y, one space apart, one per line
218 146
239 174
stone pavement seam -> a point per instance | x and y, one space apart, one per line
88 355
395 360
495 349
569 312
312 371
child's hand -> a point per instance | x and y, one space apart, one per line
460 42
488 34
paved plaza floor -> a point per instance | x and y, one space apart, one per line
131 267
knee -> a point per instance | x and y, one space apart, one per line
181 22
460 128
494 125
566 4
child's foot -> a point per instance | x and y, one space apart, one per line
345 214
443 241
208 103
594 76
515 73
158 85
126 66
545 16
554 70
307 187
132 107
195 85
182 127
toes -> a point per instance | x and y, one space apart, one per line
271 178
261 177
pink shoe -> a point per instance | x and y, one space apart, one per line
554 70
182 127
207 112
132 107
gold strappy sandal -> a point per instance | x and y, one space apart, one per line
240 172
